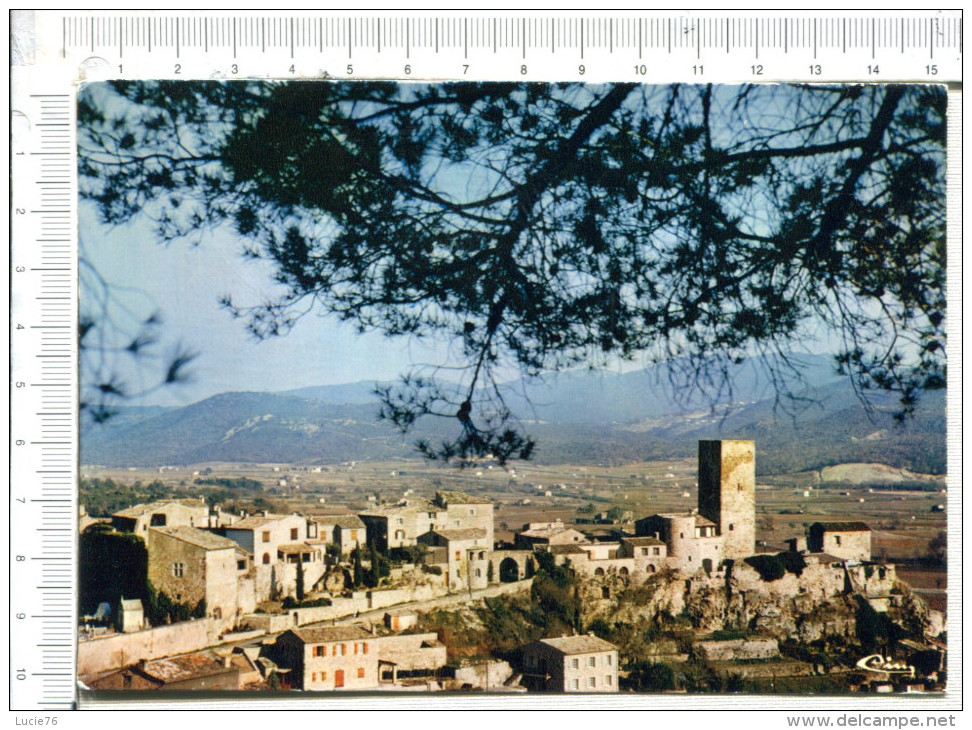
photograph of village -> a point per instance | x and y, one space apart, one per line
512 388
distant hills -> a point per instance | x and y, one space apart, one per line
576 417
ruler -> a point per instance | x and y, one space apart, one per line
53 51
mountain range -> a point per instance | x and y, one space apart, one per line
576 417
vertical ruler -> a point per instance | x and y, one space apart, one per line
43 401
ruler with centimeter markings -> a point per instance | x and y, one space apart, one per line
52 51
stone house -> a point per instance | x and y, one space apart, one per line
847 540
202 670
262 535
191 565
466 554
691 540
164 513
545 534
352 658
345 531
400 525
570 664
649 553
130 616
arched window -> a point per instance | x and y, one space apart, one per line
266 558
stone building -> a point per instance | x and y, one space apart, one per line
540 534
262 535
352 658
400 525
164 513
846 540
727 493
191 565
130 616
691 540
345 531
466 554
570 664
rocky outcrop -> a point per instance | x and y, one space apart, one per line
818 602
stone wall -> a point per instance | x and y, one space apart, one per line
119 650
736 649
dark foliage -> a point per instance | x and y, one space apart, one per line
110 565
539 227
774 567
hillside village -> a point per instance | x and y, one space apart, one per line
419 595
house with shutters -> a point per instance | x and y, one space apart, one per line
570 664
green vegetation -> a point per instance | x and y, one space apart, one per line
160 609
110 565
647 676
774 567
240 483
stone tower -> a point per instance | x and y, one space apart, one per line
727 493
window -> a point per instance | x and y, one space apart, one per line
591 682
431 515
479 573
320 650
293 533
364 648
178 569
608 680
609 660
354 535
241 564
399 521
344 649
266 558
681 535
656 551
266 536
836 539
576 684
644 551
472 512
690 558
323 676
731 527
356 647
313 676
455 523
458 555
157 520
591 661
360 672
575 663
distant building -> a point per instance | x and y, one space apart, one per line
847 540
164 513
570 664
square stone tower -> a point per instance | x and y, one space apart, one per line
727 493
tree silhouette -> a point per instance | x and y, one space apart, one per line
537 227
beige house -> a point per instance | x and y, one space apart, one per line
539 534
165 513
345 531
262 535
352 658
191 565
570 664
691 540
130 616
846 540
465 554
400 525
